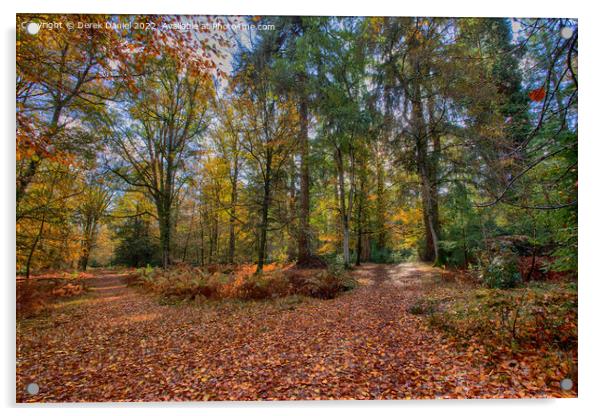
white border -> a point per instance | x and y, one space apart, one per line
589 222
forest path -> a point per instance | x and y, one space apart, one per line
119 344
108 285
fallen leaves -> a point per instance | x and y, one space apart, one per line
122 345
527 335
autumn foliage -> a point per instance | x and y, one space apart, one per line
38 296
527 332
187 283
334 208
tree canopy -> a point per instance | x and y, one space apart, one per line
315 140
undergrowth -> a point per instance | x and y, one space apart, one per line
535 323
187 283
36 296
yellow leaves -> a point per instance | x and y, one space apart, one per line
329 243
409 222
376 24
401 216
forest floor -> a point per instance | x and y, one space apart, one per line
117 343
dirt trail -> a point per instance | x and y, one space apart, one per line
120 345
107 285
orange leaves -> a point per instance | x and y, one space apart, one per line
537 94
70 289
363 345
521 334
184 283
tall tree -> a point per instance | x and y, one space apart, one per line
269 121
95 200
344 114
167 112
227 138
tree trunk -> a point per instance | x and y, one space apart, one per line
231 226
90 232
304 251
292 227
211 244
430 218
165 235
433 175
265 206
366 253
83 260
202 243
358 245
360 214
346 256
188 234
343 206
34 245
215 238
381 240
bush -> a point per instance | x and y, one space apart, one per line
452 253
30 300
323 284
423 306
260 286
136 246
502 272
535 325
35 297
182 283
178 283
335 260
388 256
530 317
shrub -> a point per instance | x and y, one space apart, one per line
70 289
35 297
388 256
189 283
423 306
324 284
502 272
30 301
136 246
258 286
534 316
177 283
334 260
